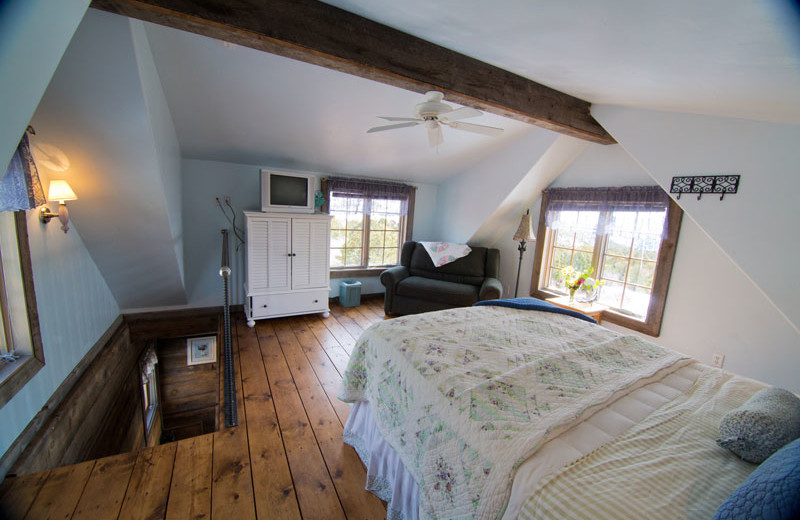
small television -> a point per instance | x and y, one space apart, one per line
287 192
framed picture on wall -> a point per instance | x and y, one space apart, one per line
201 350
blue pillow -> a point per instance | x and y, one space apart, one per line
771 492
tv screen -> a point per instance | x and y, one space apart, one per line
285 190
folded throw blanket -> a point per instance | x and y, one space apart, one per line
535 304
442 253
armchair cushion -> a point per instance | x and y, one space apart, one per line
439 291
468 269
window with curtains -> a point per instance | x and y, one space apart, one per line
148 371
371 220
627 236
21 352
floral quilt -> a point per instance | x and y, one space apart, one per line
443 253
465 395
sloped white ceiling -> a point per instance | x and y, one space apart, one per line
235 104
736 58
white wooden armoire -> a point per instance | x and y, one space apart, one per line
288 259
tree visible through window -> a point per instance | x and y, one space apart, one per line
624 259
626 235
369 222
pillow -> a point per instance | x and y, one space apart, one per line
766 422
771 492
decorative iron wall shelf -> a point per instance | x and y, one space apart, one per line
702 184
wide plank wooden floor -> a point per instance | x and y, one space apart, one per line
286 459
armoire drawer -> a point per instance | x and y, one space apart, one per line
289 303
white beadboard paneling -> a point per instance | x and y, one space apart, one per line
75 308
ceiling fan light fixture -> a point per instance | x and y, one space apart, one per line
433 113
432 106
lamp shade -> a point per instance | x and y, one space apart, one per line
60 191
524 231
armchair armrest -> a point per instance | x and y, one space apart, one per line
491 289
391 276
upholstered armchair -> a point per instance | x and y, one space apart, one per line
416 285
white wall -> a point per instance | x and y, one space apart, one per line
499 229
204 180
121 159
165 141
712 307
75 309
466 201
33 37
757 227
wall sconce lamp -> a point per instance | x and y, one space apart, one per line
60 191
524 234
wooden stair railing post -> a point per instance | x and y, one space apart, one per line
231 418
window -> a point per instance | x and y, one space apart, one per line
150 396
371 220
148 371
626 235
20 341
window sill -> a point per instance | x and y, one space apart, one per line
358 272
611 316
13 376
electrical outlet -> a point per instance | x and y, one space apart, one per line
227 199
718 360
217 202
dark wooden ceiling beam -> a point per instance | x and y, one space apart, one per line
314 32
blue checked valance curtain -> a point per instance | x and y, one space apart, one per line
20 187
370 189
606 202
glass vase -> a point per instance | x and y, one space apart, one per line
587 295
572 295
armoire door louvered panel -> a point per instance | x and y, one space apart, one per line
310 240
279 247
268 260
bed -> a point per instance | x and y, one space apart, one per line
502 413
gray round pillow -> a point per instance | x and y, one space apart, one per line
764 424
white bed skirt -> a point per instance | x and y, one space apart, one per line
387 478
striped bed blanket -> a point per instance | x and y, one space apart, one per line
464 396
668 466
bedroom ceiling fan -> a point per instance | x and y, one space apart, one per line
433 114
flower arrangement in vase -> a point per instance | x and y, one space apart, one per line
576 281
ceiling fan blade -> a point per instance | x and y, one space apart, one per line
460 113
435 137
388 118
392 127
478 129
